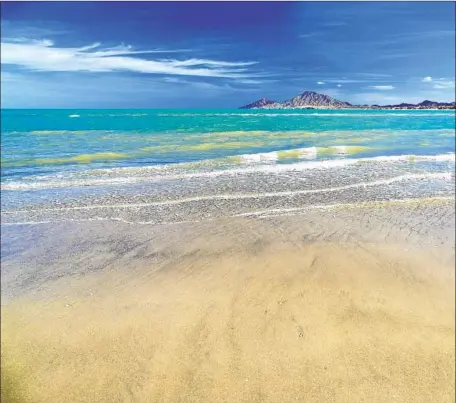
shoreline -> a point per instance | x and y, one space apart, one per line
74 248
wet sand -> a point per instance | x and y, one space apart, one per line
354 305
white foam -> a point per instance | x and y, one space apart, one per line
290 193
307 153
24 223
259 157
450 157
296 210
74 116
309 150
125 175
340 149
38 183
271 213
118 114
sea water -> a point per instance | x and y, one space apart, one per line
159 166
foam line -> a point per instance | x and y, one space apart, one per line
299 166
295 210
291 193
255 214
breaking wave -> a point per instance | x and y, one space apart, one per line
302 159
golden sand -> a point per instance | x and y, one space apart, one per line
278 323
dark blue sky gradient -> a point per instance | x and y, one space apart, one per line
378 52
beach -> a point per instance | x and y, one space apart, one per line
292 266
296 308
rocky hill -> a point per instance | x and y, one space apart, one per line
308 99
261 103
314 100
424 105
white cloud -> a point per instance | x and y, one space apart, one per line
320 82
310 35
43 55
374 75
254 82
439 83
334 24
21 30
443 84
378 98
339 85
382 87
387 98
347 81
201 84
68 90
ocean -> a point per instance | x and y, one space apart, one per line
158 166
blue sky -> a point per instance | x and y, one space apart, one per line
223 55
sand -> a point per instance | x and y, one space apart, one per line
268 318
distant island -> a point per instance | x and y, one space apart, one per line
314 100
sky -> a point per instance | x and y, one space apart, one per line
223 54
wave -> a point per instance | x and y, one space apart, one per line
44 132
298 153
203 147
271 213
260 162
229 196
313 152
449 157
80 159
370 134
115 219
118 114
296 210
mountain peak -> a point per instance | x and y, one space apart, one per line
261 103
308 99
427 102
314 99
310 93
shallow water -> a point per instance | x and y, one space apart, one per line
56 159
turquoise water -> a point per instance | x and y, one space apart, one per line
43 138
77 158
